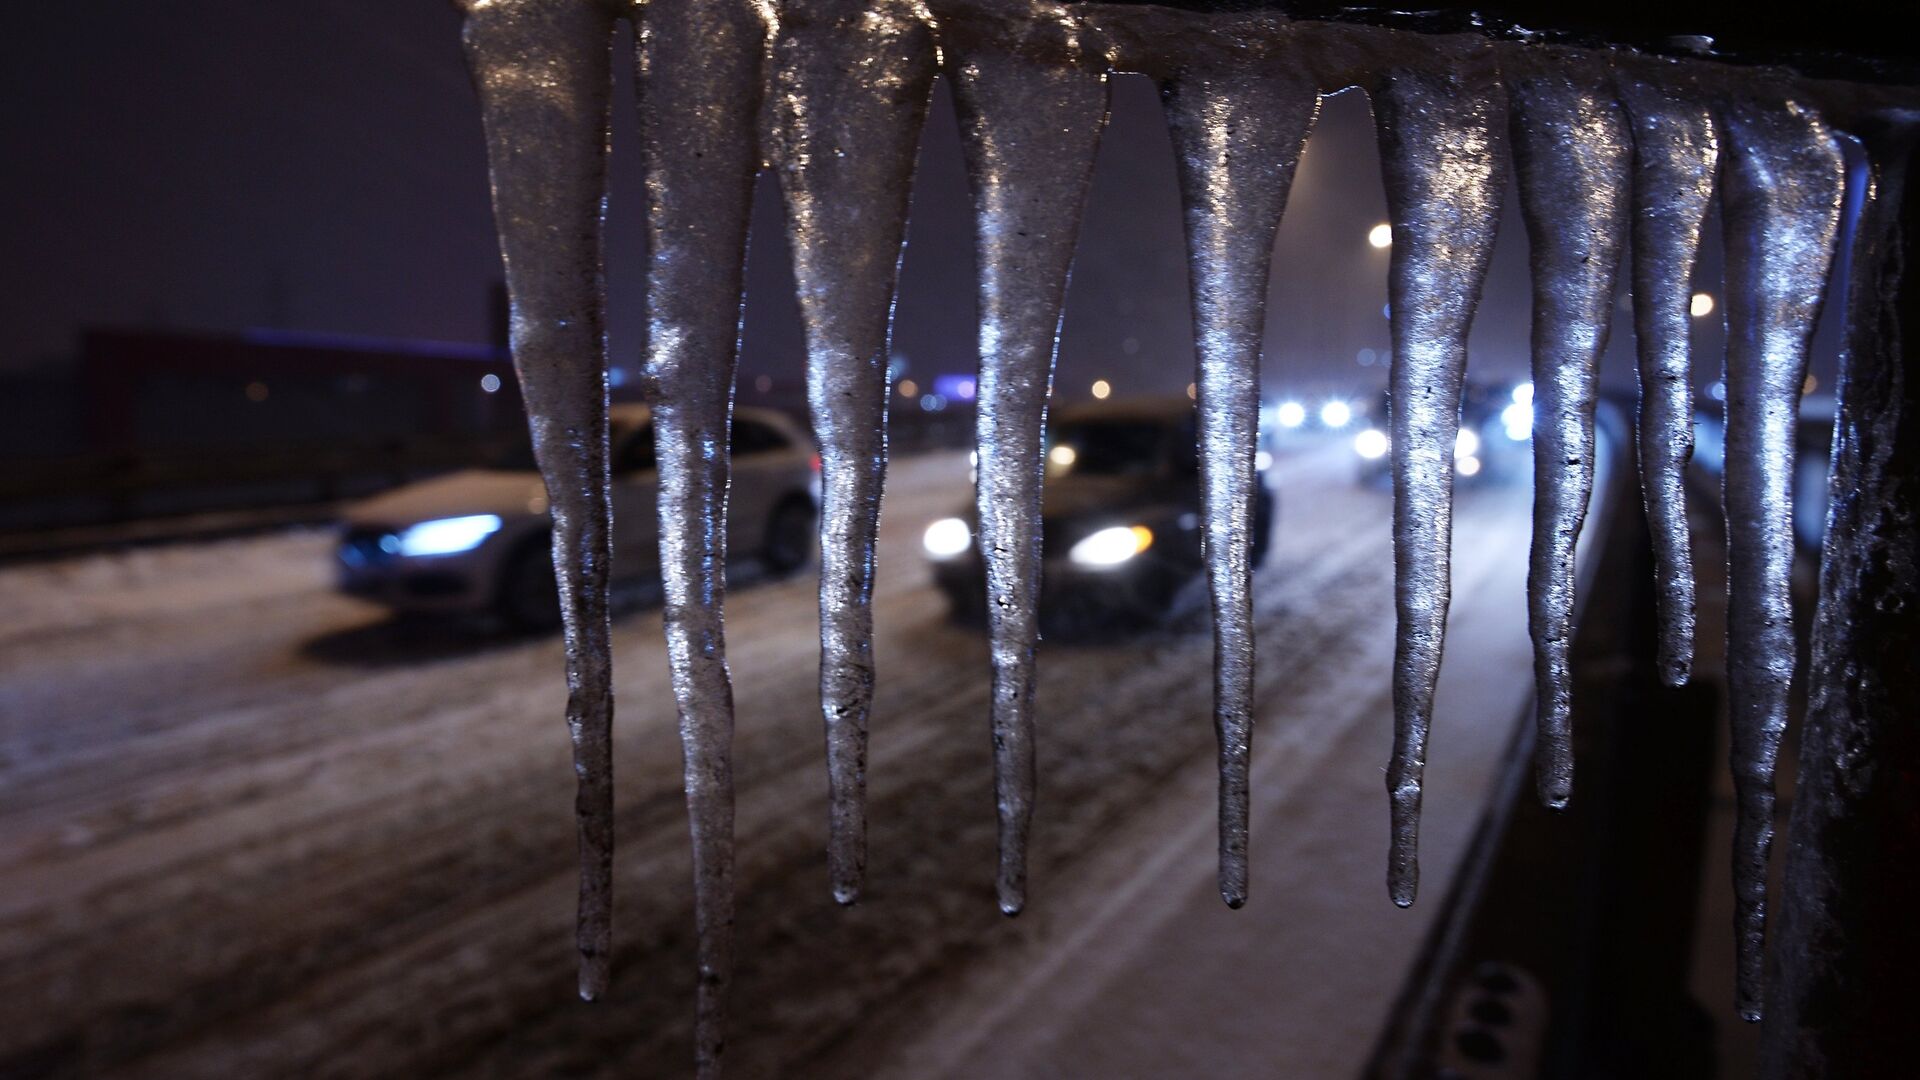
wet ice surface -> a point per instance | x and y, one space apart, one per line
1030 84
1675 154
1238 128
1032 104
699 77
1442 150
1784 180
849 76
543 72
1571 152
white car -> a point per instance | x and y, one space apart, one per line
480 540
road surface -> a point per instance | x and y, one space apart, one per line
249 828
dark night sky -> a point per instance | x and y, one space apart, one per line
223 164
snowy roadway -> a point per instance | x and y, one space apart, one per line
249 828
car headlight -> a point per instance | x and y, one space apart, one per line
448 536
947 537
1466 444
1517 418
1111 546
1370 444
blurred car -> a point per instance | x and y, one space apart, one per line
1496 425
1120 515
480 540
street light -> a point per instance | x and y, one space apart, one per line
1702 305
1381 236
1101 388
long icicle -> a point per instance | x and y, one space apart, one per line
1675 154
1782 184
1239 117
699 76
543 71
1572 152
1032 100
1443 157
852 79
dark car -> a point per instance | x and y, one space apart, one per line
1120 530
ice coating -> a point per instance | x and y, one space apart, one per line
851 82
1239 118
1675 153
1443 159
543 72
1030 85
1572 152
1782 184
1032 100
699 75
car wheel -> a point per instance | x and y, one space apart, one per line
789 543
529 598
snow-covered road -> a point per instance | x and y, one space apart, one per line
249 828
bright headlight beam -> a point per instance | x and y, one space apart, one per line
1466 444
448 536
1370 444
1291 414
1335 414
947 537
1111 546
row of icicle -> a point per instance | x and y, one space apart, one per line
1603 148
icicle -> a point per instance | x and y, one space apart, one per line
700 79
543 72
851 85
1572 151
1783 180
1239 119
1675 152
1443 157
1032 100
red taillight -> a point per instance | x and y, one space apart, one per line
814 463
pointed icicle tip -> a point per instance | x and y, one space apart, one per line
1032 103
1443 163
1239 123
1675 158
1783 179
1572 151
544 77
846 81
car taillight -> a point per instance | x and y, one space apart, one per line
814 463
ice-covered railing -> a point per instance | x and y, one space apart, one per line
1609 146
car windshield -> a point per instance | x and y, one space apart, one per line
1108 447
